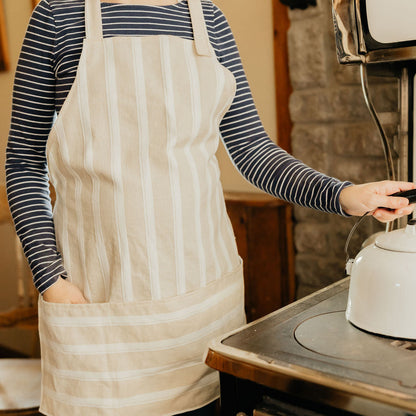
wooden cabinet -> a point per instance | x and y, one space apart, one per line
264 231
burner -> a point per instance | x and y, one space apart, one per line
331 335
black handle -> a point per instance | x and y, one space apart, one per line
410 195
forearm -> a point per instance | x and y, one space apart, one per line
29 201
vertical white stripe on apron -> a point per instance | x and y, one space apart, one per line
171 133
85 119
209 177
220 75
145 171
195 94
116 171
62 140
60 199
228 233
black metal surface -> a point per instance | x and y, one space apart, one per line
315 335
244 396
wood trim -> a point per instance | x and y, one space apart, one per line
4 48
35 2
281 25
290 282
254 199
263 230
5 216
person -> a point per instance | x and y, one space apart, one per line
137 265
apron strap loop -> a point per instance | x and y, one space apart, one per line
202 43
93 20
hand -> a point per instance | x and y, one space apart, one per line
373 197
63 291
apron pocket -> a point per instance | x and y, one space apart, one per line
118 355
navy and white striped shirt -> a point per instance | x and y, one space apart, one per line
44 76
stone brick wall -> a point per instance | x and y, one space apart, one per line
333 133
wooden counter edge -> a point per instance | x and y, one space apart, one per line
272 374
255 199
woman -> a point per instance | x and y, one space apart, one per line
138 266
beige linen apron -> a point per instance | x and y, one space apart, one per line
141 223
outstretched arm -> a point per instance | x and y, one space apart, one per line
271 169
257 158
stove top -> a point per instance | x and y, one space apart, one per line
311 340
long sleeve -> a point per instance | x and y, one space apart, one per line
258 159
26 166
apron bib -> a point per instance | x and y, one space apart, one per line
141 223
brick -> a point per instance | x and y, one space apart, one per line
326 105
340 104
305 290
307 106
303 214
311 238
347 104
358 170
307 54
317 271
341 228
355 139
310 145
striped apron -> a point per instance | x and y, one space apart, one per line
141 223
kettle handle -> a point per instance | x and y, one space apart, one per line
348 259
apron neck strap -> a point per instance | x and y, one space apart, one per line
94 25
93 20
202 43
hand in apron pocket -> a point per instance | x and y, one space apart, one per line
64 292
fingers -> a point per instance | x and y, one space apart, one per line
80 300
391 187
64 292
405 186
76 296
377 195
392 202
386 215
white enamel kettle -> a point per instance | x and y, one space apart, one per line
382 294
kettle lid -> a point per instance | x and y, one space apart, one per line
403 240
